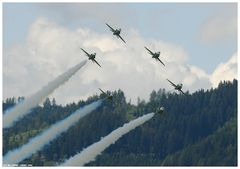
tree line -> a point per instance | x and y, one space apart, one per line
196 129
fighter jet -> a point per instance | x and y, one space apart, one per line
108 96
91 57
154 55
160 110
116 32
177 87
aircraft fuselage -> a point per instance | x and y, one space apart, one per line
110 97
155 55
117 32
92 56
160 110
178 87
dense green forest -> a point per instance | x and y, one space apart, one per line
198 129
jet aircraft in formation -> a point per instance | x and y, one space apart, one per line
160 110
108 96
177 87
91 57
155 55
116 32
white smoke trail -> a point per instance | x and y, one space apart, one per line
44 138
22 109
91 152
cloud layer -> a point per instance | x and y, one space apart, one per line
221 26
225 71
50 49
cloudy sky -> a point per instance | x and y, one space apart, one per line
198 44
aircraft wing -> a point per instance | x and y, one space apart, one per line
149 50
96 62
102 91
121 38
182 92
160 61
172 83
110 28
85 52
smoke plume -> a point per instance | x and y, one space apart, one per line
20 110
91 152
44 138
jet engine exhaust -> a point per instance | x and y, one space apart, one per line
38 142
90 153
24 108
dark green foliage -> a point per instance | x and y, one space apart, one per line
197 129
218 149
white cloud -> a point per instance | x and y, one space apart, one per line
69 13
219 27
51 49
225 71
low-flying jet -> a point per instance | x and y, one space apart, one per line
160 110
116 32
108 96
91 57
177 87
154 55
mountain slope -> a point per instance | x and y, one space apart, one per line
191 122
218 149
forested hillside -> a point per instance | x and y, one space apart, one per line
220 148
196 129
